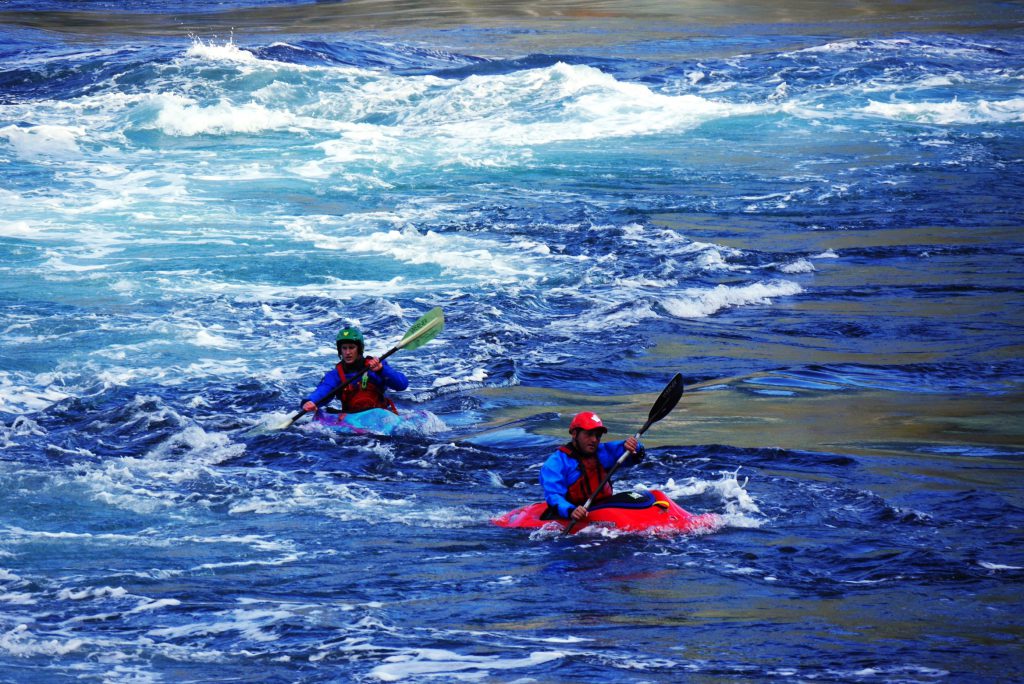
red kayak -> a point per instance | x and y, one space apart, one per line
627 511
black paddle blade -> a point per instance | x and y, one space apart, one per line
667 401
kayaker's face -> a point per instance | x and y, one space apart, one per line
587 441
349 352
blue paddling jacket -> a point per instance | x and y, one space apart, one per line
363 394
567 482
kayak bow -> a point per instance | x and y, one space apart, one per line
627 511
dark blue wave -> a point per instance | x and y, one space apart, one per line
399 58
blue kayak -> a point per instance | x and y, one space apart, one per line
379 422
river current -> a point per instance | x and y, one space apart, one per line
812 211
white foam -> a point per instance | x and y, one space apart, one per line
798 266
341 501
493 120
998 566
602 317
15 598
350 502
740 508
436 662
739 502
77 451
154 481
44 141
843 46
708 253
91 593
711 259
456 255
271 562
20 394
24 426
700 303
19 229
459 256
22 643
250 624
59 264
258 542
567 639
205 338
148 605
202 447
574 102
951 112
477 376
182 116
938 81
225 52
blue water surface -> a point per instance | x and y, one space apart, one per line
816 223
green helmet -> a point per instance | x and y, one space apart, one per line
350 334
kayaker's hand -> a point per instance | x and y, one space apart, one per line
309 407
579 513
632 445
373 364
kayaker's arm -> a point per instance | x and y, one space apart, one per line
611 452
579 513
392 379
637 448
323 393
555 489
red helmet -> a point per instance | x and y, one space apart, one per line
586 421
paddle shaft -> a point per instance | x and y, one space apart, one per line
606 480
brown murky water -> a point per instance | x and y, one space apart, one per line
546 26
861 421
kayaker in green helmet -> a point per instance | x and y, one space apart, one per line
364 394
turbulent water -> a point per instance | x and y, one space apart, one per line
814 216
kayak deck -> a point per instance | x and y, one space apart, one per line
628 511
377 422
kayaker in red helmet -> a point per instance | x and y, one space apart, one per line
571 474
363 394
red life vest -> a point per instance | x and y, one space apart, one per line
592 473
363 395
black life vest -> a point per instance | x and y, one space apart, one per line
363 394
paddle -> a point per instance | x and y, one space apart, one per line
421 332
663 405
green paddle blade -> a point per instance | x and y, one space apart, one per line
423 330
263 428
